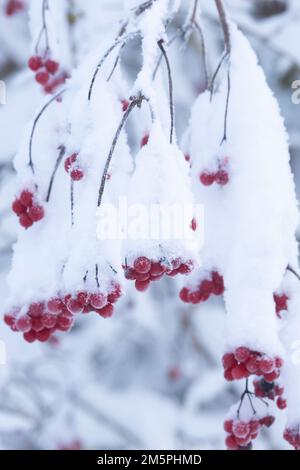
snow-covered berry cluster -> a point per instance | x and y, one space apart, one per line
14 6
47 72
243 362
292 436
41 320
73 168
144 271
208 287
240 434
28 209
220 177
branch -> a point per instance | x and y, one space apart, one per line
224 24
35 122
58 162
136 101
171 101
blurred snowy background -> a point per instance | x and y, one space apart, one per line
151 377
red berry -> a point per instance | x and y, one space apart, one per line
74 306
37 324
25 221
184 294
36 310
145 140
24 324
64 322
194 225
52 66
218 283
42 78
267 421
281 302
98 301
55 306
83 299
125 105
70 162
281 403
231 443
228 375
242 354
240 372
77 174
36 213
30 337
115 294
43 335
35 63
228 426
49 320
26 198
106 312
142 286
157 269
266 365
9 319
241 429
207 178
142 265
279 362
142 277
254 426
252 364
18 207
228 361
272 376
222 177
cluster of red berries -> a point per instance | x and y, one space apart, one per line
47 73
208 287
144 271
27 209
242 433
73 168
244 362
14 6
292 436
280 303
43 319
221 177
270 390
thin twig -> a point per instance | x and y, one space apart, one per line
62 152
224 24
72 200
227 107
135 102
171 100
36 120
292 270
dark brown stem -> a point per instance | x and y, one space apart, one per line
62 152
36 120
224 24
292 270
227 107
135 102
194 14
45 7
171 101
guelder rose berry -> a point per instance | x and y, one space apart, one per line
243 362
27 209
72 167
144 271
203 291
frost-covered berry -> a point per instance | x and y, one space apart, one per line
52 66
35 63
292 436
18 208
42 78
14 6
142 265
25 221
281 403
36 213
222 178
26 198
145 140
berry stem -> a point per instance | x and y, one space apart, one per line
137 101
36 120
292 270
62 152
171 100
